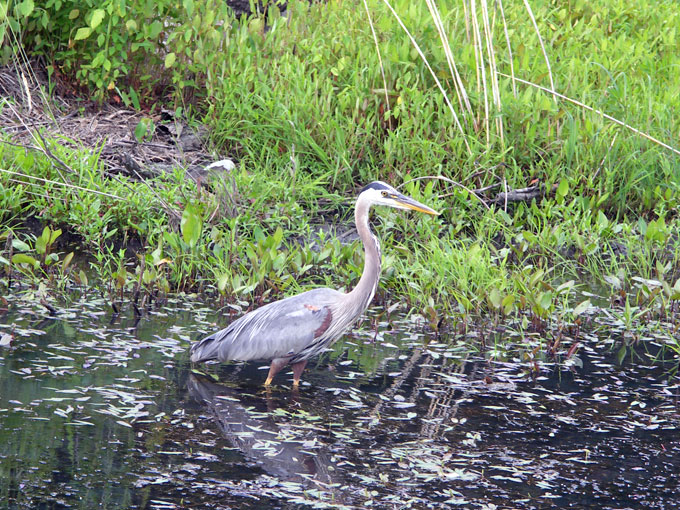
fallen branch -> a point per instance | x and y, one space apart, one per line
520 195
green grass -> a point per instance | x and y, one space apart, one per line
302 108
296 86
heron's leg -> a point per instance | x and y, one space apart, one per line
297 371
277 364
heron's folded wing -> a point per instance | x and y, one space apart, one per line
277 330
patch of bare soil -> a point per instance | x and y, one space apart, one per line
35 117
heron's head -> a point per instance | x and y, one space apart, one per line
379 193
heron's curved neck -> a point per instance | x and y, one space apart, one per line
363 293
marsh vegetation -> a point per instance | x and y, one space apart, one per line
555 261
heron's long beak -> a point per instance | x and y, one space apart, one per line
409 203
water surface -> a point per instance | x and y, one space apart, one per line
101 411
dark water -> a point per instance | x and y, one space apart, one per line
99 412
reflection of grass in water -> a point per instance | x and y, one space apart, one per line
61 439
77 447
303 113
423 421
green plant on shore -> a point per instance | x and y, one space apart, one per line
114 46
36 260
311 119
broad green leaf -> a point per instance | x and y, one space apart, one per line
190 226
41 245
278 237
26 8
621 354
67 260
149 276
258 234
20 245
169 60
135 99
222 282
652 229
530 237
563 188
188 6
83 277
566 286
495 298
155 29
508 304
642 225
98 59
545 300
97 17
83 33
602 220
156 255
279 262
143 129
54 235
613 280
536 277
22 258
581 307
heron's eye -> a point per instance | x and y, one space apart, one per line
384 193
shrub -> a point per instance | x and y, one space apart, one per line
131 48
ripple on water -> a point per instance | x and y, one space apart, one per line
395 419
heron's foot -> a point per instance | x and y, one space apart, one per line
277 364
297 371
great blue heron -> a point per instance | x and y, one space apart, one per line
296 328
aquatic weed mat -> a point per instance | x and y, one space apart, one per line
99 409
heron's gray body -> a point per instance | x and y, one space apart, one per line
296 328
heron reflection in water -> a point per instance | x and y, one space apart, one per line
294 329
282 449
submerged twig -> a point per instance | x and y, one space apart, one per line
49 307
409 367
